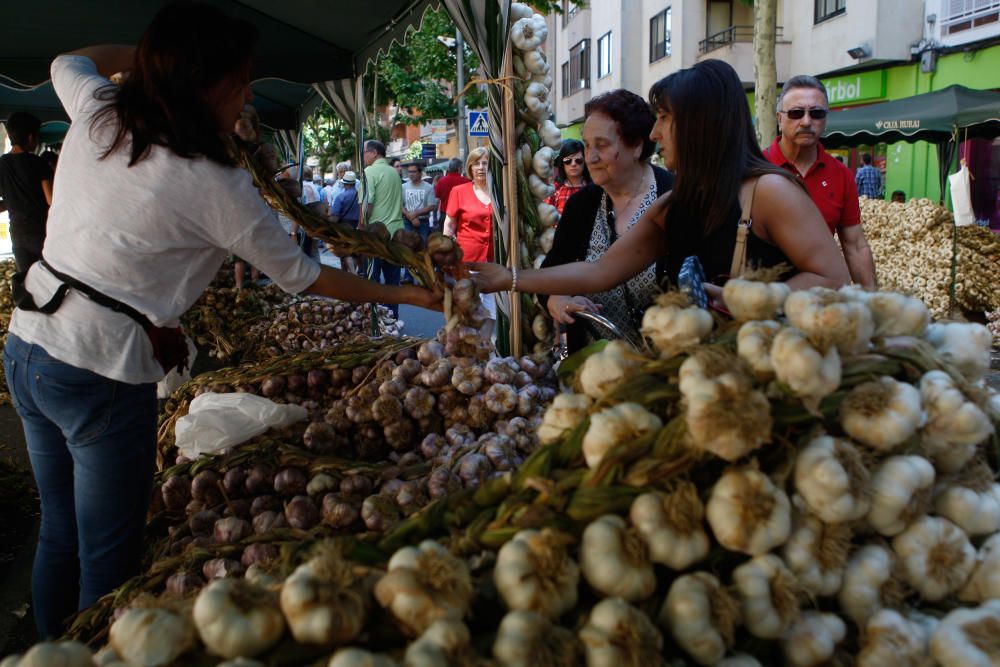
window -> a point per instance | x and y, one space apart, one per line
960 15
827 9
604 55
569 10
576 73
659 36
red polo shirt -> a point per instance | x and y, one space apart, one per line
830 184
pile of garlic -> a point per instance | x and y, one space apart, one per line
538 141
913 244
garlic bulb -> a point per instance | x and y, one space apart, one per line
535 63
614 559
896 314
817 553
672 526
724 414
673 328
241 662
965 345
566 413
969 637
324 601
739 660
356 657
813 638
619 635
869 583
769 595
52 654
541 163
527 639
748 513
810 374
882 414
829 318
529 33
444 643
901 492
550 134
606 368
425 584
892 640
754 300
701 616
971 500
984 582
548 215
152 637
237 618
753 345
519 10
936 557
954 426
832 478
534 572
540 190
622 423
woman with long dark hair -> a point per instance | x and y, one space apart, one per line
705 135
149 203
571 173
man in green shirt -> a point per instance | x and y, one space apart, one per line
381 197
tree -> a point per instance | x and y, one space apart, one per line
765 28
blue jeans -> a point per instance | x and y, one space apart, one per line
388 273
424 229
92 444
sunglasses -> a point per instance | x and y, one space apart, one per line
573 160
798 114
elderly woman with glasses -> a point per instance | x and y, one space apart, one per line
624 184
571 173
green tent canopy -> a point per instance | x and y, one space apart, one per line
933 117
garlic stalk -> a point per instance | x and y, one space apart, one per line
534 572
724 414
936 557
702 617
235 618
528 639
324 600
619 635
811 374
902 488
870 583
817 553
832 478
425 584
892 640
813 638
672 525
615 561
882 414
969 637
769 595
955 425
748 513
619 424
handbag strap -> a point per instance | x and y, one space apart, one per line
739 262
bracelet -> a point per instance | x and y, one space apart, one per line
513 279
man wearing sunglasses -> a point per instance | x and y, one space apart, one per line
802 111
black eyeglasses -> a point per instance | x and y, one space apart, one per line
572 160
816 113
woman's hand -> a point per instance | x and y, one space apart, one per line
561 308
490 277
714 293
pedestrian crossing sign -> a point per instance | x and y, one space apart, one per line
479 124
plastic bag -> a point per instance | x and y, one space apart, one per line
173 379
961 197
217 421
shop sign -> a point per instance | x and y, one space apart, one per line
907 124
854 88
439 131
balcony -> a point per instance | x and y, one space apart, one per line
734 45
732 35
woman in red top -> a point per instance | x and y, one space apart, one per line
470 211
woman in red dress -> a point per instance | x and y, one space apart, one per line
469 216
